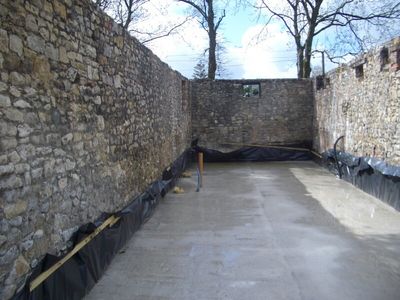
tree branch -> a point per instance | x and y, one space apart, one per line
220 20
167 33
197 7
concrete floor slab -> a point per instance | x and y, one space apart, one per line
284 230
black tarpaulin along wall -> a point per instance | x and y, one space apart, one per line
255 154
371 175
76 277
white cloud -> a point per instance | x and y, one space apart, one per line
266 55
269 57
182 49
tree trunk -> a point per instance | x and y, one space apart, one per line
300 59
212 60
212 37
307 63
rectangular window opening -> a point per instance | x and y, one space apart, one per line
320 82
251 90
397 59
359 71
384 57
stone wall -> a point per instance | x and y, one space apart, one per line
365 109
280 114
88 118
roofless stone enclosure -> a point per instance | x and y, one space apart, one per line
89 117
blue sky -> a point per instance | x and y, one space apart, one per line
246 54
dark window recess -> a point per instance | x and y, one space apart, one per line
251 90
397 59
384 57
359 71
327 82
320 82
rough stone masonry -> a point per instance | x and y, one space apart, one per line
361 101
279 112
88 118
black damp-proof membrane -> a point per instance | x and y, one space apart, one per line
75 278
248 154
80 273
369 174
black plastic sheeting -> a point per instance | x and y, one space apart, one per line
371 175
254 154
78 275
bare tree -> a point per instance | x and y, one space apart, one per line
129 10
206 15
304 20
103 4
129 13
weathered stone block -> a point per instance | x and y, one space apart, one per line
16 222
26 245
119 41
69 165
51 52
60 9
8 143
62 52
24 130
21 104
17 79
90 51
13 210
100 123
72 74
14 91
9 257
36 43
13 114
26 151
4 41
31 23
3 240
22 168
21 266
38 234
6 169
41 69
44 33
66 139
5 101
3 86
37 173
14 157
3 159
16 44
12 62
